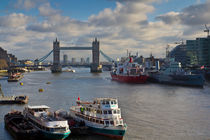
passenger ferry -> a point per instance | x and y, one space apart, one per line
49 125
102 116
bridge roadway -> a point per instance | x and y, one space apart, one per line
75 48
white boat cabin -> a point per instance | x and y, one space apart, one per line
45 120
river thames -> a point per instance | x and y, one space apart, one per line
151 111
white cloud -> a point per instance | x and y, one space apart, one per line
119 29
28 4
46 10
15 20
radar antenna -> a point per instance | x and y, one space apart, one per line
207 30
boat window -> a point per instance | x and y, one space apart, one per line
105 112
118 111
111 122
112 102
107 122
103 102
98 111
48 129
97 121
101 122
114 111
61 129
115 102
107 102
91 119
110 112
94 120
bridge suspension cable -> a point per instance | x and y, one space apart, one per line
44 57
106 56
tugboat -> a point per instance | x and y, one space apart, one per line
50 126
174 74
102 116
14 77
129 72
19 127
21 99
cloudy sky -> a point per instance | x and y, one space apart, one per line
28 27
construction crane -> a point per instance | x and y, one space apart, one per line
207 30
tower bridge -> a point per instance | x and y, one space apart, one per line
95 66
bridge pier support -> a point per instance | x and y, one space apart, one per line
95 66
56 57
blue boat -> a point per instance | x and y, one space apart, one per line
50 126
174 74
102 116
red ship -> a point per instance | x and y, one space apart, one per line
129 72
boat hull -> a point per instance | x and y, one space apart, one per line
117 134
16 100
184 80
130 79
55 136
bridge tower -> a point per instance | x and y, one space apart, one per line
95 66
56 57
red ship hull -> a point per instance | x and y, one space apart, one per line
130 78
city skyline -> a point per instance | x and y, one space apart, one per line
28 27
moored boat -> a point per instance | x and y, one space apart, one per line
129 72
174 74
14 77
19 127
50 126
21 99
102 116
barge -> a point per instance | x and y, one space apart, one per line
19 127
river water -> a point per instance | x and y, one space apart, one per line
151 111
